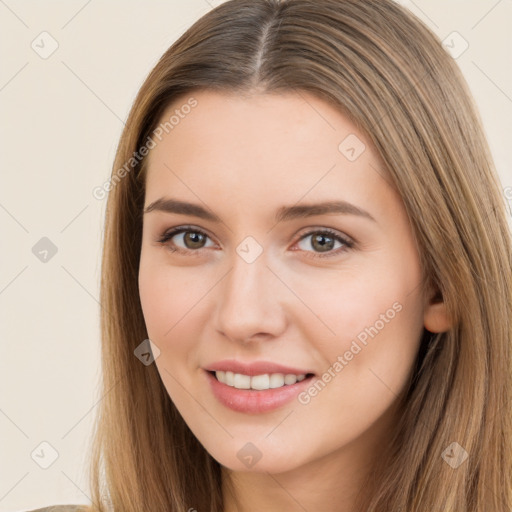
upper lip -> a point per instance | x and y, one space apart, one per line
254 368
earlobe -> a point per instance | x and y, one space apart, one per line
435 317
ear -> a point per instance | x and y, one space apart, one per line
435 316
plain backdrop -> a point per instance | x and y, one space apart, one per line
62 114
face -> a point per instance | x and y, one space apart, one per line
316 309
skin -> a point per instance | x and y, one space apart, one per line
244 158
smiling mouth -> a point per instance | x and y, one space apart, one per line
258 382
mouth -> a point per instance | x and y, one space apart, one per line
260 382
256 394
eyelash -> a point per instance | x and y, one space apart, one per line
168 235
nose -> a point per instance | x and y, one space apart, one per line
251 302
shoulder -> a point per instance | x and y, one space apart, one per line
62 508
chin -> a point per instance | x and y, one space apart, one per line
248 457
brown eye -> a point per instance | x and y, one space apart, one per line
323 243
193 239
184 240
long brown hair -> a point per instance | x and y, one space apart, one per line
386 71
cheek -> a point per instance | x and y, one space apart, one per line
370 315
357 302
174 303
168 296
377 319
367 365
158 305
170 314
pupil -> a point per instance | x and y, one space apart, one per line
194 238
323 245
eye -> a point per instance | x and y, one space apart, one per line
190 239
323 242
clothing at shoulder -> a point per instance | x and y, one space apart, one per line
63 508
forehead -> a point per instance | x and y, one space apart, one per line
255 149
297 123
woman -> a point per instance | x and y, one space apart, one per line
305 220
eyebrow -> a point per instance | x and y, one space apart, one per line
285 213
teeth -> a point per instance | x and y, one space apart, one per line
259 382
276 380
242 381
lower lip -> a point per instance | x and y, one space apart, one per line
251 401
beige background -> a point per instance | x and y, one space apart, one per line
61 119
